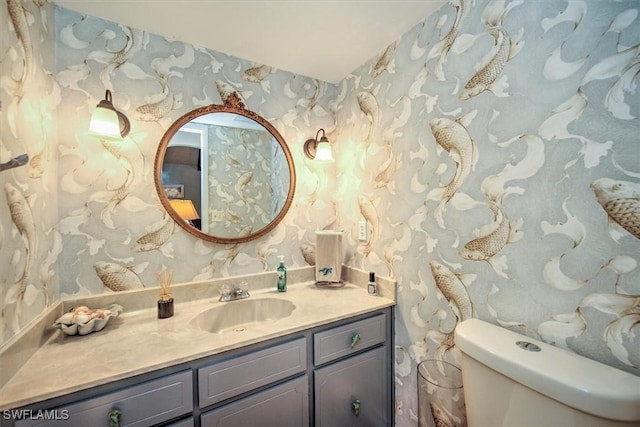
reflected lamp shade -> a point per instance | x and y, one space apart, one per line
184 208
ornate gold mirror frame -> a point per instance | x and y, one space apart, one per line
234 105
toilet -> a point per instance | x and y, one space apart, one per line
512 380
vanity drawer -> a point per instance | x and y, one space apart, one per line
281 406
144 404
350 338
242 374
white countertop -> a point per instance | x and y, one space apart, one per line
138 342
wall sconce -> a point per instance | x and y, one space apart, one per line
107 122
185 209
318 149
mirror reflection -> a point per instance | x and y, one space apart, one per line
224 174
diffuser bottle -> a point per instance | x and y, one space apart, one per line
281 275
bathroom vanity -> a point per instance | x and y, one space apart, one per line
327 363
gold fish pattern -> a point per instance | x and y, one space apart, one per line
580 145
486 246
442 48
156 238
242 182
454 138
369 213
453 289
488 74
621 201
22 218
384 176
386 60
369 106
157 110
115 60
18 16
117 277
257 74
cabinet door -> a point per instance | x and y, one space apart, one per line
281 406
353 392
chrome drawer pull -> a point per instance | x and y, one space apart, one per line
114 418
355 339
355 405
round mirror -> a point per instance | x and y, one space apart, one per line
224 173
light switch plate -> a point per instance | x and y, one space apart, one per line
362 231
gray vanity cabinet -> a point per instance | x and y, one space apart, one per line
350 372
352 388
333 375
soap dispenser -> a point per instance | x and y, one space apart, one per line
281 275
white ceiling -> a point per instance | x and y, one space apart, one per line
323 39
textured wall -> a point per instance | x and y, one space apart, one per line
478 147
108 191
29 96
487 148
110 223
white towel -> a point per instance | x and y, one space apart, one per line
328 255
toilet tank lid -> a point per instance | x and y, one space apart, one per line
576 381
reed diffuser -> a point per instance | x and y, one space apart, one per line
165 303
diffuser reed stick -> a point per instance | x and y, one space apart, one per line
165 278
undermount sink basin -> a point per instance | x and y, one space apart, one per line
238 316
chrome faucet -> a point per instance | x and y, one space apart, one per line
239 292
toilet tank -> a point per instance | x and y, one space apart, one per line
512 380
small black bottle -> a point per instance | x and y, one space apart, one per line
372 288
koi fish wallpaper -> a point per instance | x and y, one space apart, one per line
493 151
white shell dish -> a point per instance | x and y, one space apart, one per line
83 320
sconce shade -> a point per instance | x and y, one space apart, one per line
318 149
104 123
184 208
107 122
323 151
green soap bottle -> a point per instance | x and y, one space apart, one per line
281 275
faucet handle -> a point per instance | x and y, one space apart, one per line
225 293
243 286
225 290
